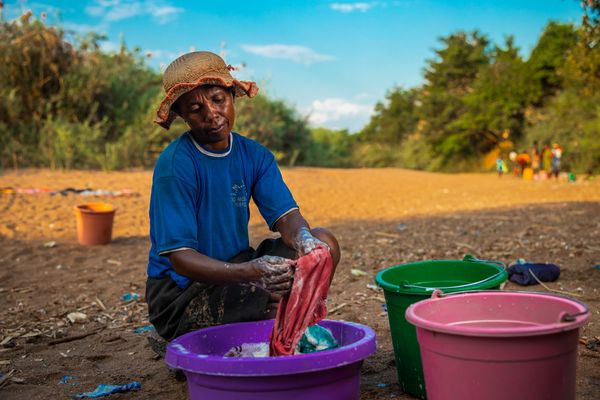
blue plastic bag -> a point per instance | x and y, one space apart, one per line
106 390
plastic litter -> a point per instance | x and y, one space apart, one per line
592 344
77 317
65 379
143 329
106 390
127 297
93 192
374 287
357 272
382 385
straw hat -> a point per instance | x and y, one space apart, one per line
192 70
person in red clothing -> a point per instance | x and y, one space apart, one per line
524 161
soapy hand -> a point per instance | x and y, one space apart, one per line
305 242
275 274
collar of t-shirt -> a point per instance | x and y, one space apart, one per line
211 152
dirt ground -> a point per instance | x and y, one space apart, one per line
381 217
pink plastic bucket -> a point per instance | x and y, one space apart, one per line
498 345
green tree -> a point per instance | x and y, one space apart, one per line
34 60
572 117
582 67
393 119
329 148
496 103
549 55
449 79
274 124
68 106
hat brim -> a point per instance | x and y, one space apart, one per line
165 116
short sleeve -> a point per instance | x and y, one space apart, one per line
270 193
173 214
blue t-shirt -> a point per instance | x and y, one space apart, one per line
200 200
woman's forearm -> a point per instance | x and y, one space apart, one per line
199 267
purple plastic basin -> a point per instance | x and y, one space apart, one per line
329 374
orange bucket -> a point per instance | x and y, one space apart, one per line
94 223
528 174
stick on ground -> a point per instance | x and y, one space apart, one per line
548 288
72 338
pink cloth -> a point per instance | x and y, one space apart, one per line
305 305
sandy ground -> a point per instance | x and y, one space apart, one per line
443 216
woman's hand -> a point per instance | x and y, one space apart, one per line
274 274
305 242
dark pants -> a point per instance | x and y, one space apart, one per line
174 311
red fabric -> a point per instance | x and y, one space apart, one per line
305 305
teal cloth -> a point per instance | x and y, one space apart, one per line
106 390
316 338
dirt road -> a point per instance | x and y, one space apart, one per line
381 217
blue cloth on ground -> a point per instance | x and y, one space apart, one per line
519 273
200 200
105 390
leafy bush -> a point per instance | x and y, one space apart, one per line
71 105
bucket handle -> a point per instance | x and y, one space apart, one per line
471 258
468 258
566 317
562 317
405 284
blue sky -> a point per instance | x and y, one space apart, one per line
331 60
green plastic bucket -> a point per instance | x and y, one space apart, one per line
406 284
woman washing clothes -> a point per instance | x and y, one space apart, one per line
201 268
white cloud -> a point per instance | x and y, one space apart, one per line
336 110
298 54
109 47
363 96
366 6
164 14
351 7
116 10
107 3
122 11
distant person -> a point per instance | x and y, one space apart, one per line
534 152
556 159
523 160
201 268
501 166
546 159
512 157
